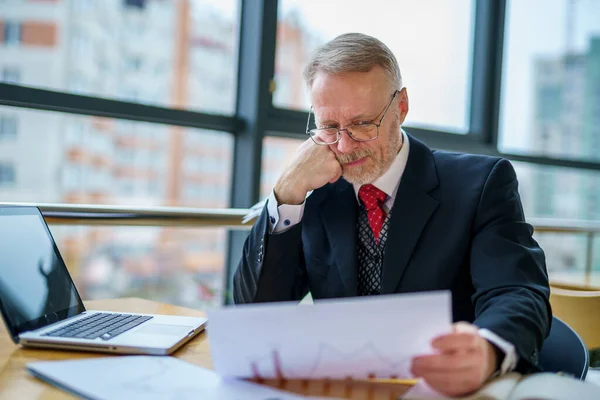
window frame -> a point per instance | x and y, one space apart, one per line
256 117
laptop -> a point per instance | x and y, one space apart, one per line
41 307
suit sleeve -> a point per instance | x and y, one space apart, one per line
272 266
508 269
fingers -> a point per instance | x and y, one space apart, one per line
450 374
460 367
464 337
338 173
464 327
457 342
423 365
458 383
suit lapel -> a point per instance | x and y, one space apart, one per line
339 214
411 211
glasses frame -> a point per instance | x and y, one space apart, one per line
339 131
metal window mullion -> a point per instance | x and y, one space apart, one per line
258 29
48 100
488 42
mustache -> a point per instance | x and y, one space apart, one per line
357 155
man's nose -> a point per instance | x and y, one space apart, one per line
346 144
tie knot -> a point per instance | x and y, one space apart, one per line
371 196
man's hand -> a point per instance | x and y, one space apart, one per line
465 360
312 167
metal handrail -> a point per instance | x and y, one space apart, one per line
87 214
589 228
83 214
564 225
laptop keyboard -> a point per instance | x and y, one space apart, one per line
101 325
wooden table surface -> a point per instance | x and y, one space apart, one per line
16 383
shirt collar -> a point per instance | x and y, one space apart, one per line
390 180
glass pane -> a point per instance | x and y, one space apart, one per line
551 79
179 54
48 157
277 153
173 265
65 158
562 193
434 51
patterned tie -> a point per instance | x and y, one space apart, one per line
373 199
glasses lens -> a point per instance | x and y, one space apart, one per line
363 132
324 136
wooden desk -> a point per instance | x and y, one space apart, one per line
16 383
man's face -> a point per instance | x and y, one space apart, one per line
351 98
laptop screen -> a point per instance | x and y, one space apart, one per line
35 286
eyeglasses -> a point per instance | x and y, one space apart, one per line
363 131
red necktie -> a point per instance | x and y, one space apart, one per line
373 199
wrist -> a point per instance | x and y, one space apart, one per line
496 356
288 193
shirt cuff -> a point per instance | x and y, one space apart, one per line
510 355
283 217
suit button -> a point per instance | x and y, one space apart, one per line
272 220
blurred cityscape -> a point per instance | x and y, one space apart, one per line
179 54
183 54
566 123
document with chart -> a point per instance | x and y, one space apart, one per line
148 378
338 339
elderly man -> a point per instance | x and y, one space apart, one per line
366 209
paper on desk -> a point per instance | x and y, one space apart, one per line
147 377
358 337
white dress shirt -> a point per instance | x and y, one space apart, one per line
283 217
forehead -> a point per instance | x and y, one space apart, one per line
348 93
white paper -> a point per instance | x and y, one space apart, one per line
357 337
149 377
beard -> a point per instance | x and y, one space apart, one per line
379 162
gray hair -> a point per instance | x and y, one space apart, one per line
353 52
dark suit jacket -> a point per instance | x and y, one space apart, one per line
457 223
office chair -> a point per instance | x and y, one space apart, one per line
564 351
580 309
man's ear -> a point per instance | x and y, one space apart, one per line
402 104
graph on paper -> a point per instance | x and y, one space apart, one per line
359 338
344 364
148 378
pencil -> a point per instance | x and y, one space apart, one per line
407 382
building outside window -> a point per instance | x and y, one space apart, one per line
11 75
12 32
7 174
8 127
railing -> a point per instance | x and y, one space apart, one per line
589 228
80 214
70 214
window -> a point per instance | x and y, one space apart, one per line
7 173
101 34
134 63
8 127
12 32
433 48
553 192
11 75
63 158
141 4
179 266
551 76
104 151
277 153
